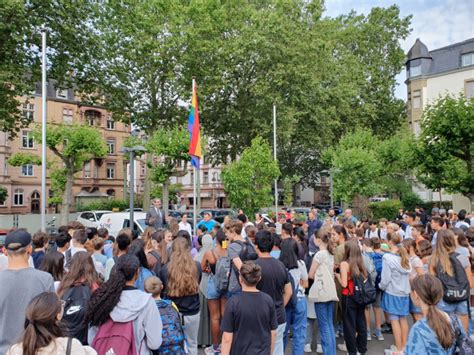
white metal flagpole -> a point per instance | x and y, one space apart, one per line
194 182
275 158
43 132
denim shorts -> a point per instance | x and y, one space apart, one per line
212 293
454 308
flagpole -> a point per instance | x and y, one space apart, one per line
43 130
194 186
275 158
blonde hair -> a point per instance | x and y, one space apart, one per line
147 237
182 271
154 286
396 239
445 244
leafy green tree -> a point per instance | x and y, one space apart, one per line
446 146
3 194
74 145
248 180
288 183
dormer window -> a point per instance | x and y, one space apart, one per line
415 71
467 59
61 94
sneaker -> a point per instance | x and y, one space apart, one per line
378 334
307 348
338 334
319 349
211 350
342 347
369 336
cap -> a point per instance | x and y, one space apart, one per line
17 239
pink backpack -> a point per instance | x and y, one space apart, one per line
115 338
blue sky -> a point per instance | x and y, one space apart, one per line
437 23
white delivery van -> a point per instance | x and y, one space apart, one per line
114 222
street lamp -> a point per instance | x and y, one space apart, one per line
132 151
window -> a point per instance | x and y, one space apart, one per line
110 171
469 92
467 59
67 115
61 94
415 71
18 197
27 139
142 170
416 128
205 178
110 124
111 192
416 99
93 117
87 170
111 145
27 170
28 112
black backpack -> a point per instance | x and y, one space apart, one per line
76 300
294 296
157 268
364 291
456 287
248 251
68 259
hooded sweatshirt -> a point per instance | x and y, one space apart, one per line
395 280
139 307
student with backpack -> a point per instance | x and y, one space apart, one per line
136 248
43 334
248 328
53 263
324 287
437 332
181 278
296 309
173 338
395 282
122 319
76 290
416 270
218 264
351 275
454 272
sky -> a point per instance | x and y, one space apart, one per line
437 23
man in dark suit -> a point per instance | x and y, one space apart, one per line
156 217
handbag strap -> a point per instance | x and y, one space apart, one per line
69 346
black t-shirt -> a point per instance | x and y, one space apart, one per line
187 305
274 279
251 317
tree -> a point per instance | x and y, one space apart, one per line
248 181
74 145
445 147
3 194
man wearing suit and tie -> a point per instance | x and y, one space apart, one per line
155 217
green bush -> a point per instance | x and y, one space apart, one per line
410 200
385 209
109 205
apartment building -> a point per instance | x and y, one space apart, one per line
435 73
99 178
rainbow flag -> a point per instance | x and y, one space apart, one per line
194 129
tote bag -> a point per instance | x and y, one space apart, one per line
324 287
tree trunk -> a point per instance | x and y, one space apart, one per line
125 187
67 197
166 196
146 190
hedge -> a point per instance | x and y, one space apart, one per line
385 209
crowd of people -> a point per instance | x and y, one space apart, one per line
241 287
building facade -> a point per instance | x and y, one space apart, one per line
432 74
98 179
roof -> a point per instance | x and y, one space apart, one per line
417 51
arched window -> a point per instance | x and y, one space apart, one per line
18 197
111 192
35 202
93 117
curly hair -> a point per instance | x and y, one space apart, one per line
107 296
182 271
82 270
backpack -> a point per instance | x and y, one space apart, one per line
173 332
370 266
115 338
456 287
248 250
464 344
364 292
68 259
294 295
76 300
157 268
377 259
221 276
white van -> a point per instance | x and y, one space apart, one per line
114 222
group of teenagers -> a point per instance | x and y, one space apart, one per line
240 287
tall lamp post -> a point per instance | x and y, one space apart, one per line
330 172
131 151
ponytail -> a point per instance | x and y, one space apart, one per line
30 339
396 240
441 326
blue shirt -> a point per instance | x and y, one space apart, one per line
313 225
423 340
209 224
142 276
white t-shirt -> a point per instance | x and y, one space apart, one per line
326 258
185 227
300 274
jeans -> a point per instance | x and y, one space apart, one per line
296 320
325 317
279 350
191 330
353 323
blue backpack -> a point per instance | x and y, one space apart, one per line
173 330
377 259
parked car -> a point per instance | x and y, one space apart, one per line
114 222
136 209
175 214
91 218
